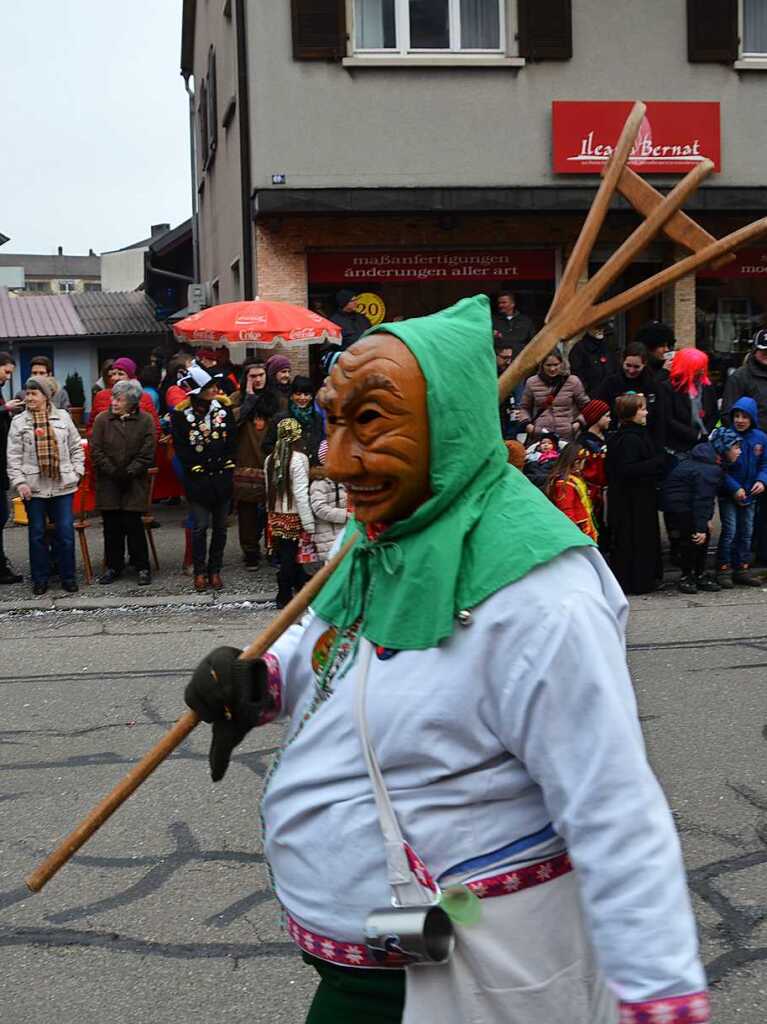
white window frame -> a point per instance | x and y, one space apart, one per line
748 59
402 33
66 285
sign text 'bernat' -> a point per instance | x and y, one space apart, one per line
672 139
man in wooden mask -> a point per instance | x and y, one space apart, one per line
488 633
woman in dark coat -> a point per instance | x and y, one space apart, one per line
122 453
633 467
689 401
205 438
301 408
252 418
635 375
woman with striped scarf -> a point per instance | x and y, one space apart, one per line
46 462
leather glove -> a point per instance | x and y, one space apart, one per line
232 694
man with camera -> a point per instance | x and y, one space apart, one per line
463 792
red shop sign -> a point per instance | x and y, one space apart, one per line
413 266
747 263
673 137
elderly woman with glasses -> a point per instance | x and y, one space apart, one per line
45 464
122 453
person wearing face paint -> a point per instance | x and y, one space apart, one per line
205 439
289 515
500 711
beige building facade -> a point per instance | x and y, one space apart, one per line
412 152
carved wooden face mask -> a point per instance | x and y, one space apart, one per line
378 428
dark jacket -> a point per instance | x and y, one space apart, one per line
691 487
617 384
206 447
311 436
633 468
514 331
5 423
122 453
353 326
680 433
749 380
751 466
592 361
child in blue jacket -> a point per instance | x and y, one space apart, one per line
689 494
743 482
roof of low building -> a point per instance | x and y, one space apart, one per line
38 316
53 265
76 314
116 312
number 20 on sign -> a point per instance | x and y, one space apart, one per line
372 306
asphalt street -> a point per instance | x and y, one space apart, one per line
166 915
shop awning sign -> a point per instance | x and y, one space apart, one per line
673 137
414 266
747 263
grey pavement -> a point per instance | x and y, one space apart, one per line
169 586
165 915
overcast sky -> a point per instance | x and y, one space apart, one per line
95 125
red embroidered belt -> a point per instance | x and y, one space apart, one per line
350 954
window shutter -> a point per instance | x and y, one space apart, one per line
202 120
712 31
319 29
212 103
545 29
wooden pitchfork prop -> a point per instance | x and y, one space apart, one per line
572 311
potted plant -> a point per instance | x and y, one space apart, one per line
76 392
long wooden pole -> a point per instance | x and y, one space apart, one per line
140 772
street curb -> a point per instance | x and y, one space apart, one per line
128 603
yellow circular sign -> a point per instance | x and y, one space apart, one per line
372 306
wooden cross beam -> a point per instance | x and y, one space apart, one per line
575 309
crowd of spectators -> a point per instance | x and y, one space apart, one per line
614 440
617 440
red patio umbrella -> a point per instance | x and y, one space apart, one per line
257 323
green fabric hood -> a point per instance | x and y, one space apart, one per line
483 527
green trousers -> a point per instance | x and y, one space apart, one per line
349 996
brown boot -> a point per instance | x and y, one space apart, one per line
215 581
200 584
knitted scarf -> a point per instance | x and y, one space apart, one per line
484 526
305 416
45 445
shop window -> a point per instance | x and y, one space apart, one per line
753 29
408 26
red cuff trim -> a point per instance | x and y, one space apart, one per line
274 683
690 1009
